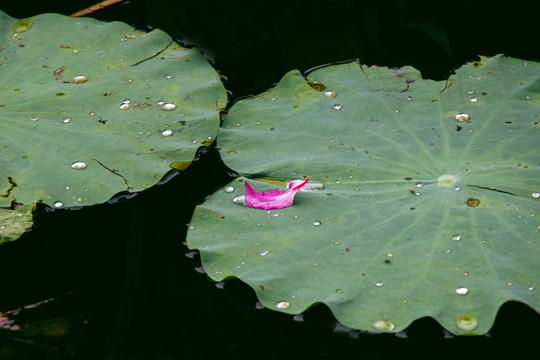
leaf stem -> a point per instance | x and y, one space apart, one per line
94 7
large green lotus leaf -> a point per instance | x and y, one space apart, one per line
420 215
89 109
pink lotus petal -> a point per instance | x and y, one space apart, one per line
275 198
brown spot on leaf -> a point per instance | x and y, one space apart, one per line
317 86
472 202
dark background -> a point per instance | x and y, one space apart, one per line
122 284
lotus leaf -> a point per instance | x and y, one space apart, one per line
424 197
14 223
89 109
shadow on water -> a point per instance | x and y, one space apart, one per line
120 282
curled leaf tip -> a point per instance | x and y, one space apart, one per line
275 198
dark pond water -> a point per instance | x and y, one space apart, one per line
119 281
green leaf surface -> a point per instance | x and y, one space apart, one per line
14 223
420 215
89 109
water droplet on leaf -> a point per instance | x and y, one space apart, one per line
419 184
22 26
535 195
462 117
383 325
330 94
462 291
283 305
167 132
317 223
79 79
456 237
169 106
78 165
379 283
467 322
311 186
58 204
229 189
337 107
240 200
446 180
124 106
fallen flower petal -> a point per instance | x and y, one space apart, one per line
275 198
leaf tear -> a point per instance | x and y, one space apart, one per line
13 184
492 189
115 172
153 56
